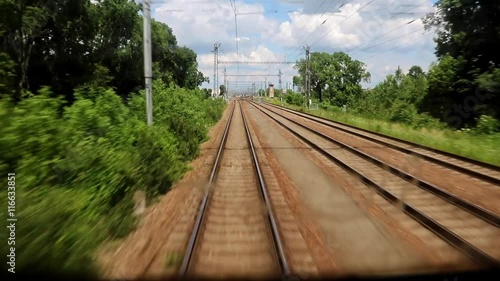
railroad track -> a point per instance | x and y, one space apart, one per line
480 170
235 231
344 140
466 226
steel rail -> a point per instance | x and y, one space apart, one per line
440 230
286 273
283 263
455 167
480 212
204 203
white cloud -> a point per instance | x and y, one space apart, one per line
272 37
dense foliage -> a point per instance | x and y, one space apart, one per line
72 124
464 84
294 98
78 166
68 43
334 77
398 99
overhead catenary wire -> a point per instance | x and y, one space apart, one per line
307 26
382 35
311 34
339 24
394 15
317 28
303 28
395 47
390 40
392 30
235 12
357 11
302 42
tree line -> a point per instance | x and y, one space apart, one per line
461 89
66 44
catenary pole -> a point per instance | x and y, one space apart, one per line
148 71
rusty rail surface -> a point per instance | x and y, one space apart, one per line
277 242
453 166
440 230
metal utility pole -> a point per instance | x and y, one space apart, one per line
225 84
265 87
279 75
236 41
216 67
148 69
308 78
281 89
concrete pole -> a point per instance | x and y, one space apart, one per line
148 70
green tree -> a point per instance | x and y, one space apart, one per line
69 44
297 81
336 76
222 89
28 25
207 92
7 73
397 98
469 33
185 69
416 72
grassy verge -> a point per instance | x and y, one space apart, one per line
485 148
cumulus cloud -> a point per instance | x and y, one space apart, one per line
199 24
384 34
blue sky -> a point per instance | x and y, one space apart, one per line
384 34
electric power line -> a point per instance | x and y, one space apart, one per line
357 11
392 30
338 25
302 29
390 40
317 28
374 55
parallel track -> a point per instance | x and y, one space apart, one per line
483 171
250 235
435 209
462 203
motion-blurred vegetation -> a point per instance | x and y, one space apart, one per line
72 124
78 166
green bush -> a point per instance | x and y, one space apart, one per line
77 167
424 120
402 112
295 99
326 106
487 125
